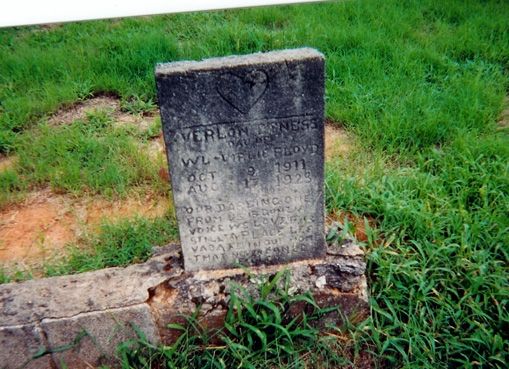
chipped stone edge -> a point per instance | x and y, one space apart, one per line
173 296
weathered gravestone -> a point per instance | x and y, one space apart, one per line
245 143
244 138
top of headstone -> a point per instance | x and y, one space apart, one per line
236 60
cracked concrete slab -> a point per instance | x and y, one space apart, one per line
92 338
23 346
79 320
30 301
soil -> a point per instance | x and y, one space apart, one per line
42 225
45 222
338 143
6 162
109 104
356 222
503 122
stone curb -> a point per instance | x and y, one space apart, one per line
77 321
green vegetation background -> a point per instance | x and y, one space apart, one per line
421 84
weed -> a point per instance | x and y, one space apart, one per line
12 186
117 244
153 131
260 331
88 155
17 275
137 105
438 280
421 84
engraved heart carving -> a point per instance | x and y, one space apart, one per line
242 92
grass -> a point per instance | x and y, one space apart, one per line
260 331
420 83
420 62
90 155
12 186
116 244
438 258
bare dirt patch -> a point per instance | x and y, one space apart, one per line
156 147
338 143
95 211
80 110
109 104
7 162
357 223
503 122
31 229
45 222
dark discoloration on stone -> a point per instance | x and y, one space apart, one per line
153 294
330 283
94 337
30 301
20 346
244 138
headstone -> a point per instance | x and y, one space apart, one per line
244 139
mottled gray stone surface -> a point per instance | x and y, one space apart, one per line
244 138
30 301
105 303
333 281
20 347
94 337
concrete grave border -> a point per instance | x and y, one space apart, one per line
77 321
